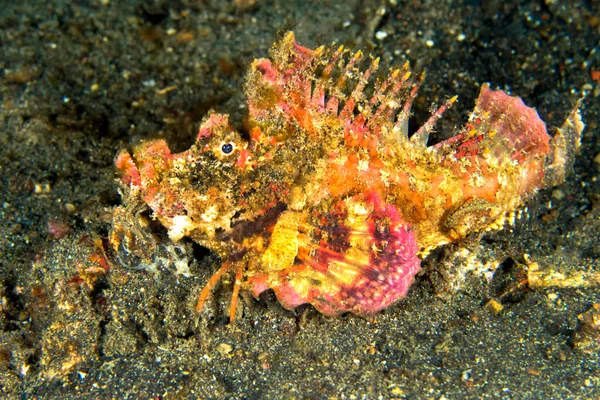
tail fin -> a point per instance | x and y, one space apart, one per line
565 144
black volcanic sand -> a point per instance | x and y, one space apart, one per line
80 81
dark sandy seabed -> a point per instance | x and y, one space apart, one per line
80 80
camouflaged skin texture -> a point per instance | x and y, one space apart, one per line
325 198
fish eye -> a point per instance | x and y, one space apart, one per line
227 148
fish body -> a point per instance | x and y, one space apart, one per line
325 199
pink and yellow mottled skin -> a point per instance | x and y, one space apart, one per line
326 200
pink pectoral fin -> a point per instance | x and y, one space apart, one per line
361 257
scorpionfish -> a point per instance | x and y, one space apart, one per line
324 197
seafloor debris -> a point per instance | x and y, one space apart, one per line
324 197
587 337
538 277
